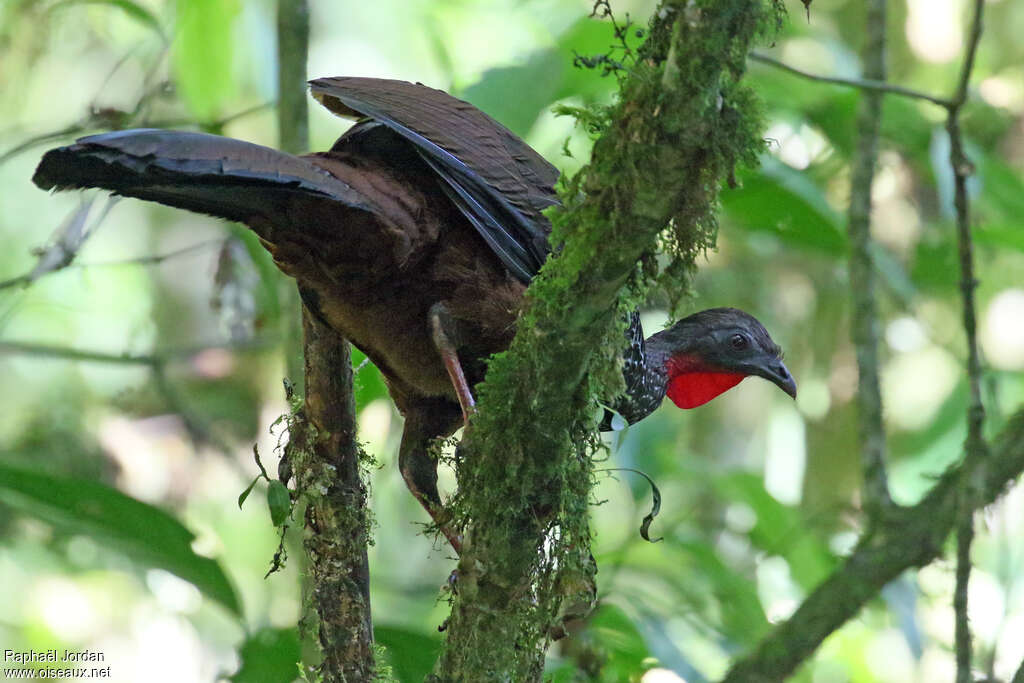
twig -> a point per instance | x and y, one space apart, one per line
154 259
862 83
116 120
152 360
862 271
975 446
65 245
199 429
42 139
48 351
151 260
962 633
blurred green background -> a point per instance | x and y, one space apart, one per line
760 494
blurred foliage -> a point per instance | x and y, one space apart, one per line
759 495
143 532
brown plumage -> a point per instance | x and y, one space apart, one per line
414 237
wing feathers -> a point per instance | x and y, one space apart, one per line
216 175
499 183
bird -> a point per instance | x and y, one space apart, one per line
415 237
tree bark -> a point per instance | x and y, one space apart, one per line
524 470
329 475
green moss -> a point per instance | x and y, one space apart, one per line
681 124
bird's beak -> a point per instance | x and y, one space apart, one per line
776 372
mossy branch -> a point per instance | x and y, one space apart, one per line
678 129
904 538
327 461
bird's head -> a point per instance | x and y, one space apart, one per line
710 352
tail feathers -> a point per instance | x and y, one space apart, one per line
223 177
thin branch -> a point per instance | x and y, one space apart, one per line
327 462
153 259
962 632
905 538
199 429
863 272
293 137
116 120
68 263
64 353
154 359
974 39
42 139
976 448
861 83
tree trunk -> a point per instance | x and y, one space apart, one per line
525 472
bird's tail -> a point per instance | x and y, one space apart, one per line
220 176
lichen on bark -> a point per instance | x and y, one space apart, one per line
681 123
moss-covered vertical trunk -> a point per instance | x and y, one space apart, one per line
681 124
328 472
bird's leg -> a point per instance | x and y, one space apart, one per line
441 331
424 423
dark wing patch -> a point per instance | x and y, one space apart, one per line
206 173
498 182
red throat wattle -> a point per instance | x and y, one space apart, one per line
693 383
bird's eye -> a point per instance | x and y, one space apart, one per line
739 342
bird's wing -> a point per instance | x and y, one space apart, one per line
495 179
209 174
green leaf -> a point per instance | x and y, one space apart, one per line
894 275
269 656
544 78
279 501
132 9
1010 236
411 653
618 637
369 383
268 304
536 84
143 532
905 128
203 51
780 529
934 264
784 201
742 616
645 525
1002 188
247 491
